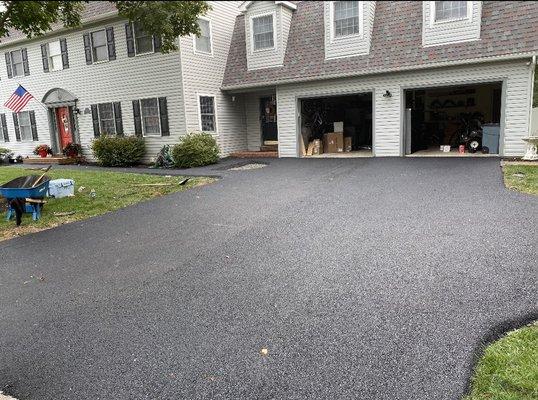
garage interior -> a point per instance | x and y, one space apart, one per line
453 121
336 126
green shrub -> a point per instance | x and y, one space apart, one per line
118 151
195 150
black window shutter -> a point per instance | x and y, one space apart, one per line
163 110
118 119
16 124
137 118
65 56
130 40
156 44
110 43
45 57
95 120
4 127
34 126
8 65
87 48
25 64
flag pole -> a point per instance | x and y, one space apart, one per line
40 103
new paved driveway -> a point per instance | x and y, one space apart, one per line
364 278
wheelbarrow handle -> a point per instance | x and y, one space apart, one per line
41 177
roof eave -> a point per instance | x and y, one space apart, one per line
506 57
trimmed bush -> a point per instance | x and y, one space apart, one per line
118 151
196 150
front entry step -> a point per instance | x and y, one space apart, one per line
57 160
270 147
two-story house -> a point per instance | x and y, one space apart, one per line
399 78
109 76
404 77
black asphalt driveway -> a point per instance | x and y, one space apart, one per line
363 278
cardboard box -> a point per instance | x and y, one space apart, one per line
339 126
333 142
348 144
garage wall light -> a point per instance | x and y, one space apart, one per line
387 94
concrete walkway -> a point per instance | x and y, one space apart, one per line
362 278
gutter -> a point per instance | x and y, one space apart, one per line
83 25
532 67
505 57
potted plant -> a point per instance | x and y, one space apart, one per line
43 150
72 150
5 155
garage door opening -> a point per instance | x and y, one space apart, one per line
336 126
453 121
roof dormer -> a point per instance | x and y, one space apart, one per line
446 22
348 28
267 26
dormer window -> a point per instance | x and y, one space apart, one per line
263 32
451 10
346 18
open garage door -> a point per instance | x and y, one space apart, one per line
336 126
455 120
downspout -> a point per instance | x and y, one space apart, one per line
533 72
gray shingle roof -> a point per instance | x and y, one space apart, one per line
509 27
93 10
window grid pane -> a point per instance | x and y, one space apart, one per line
262 28
106 118
143 41
207 113
25 126
447 10
203 43
346 18
16 63
150 117
99 46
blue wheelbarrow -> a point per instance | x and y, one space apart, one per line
32 189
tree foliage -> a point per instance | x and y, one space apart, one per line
165 19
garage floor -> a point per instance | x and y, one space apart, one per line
434 152
352 154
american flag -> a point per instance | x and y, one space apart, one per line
18 99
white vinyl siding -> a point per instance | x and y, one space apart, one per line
107 122
151 121
203 42
143 41
346 18
207 113
16 63
99 46
348 27
447 22
263 32
54 52
25 127
450 10
388 113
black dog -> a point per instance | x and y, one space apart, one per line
19 205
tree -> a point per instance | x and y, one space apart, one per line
165 19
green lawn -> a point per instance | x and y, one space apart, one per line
113 190
508 370
523 178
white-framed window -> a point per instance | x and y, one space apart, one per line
346 18
107 121
263 32
151 121
208 120
143 41
99 46
451 10
202 43
25 126
54 52
17 65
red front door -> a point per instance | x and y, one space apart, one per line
64 126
